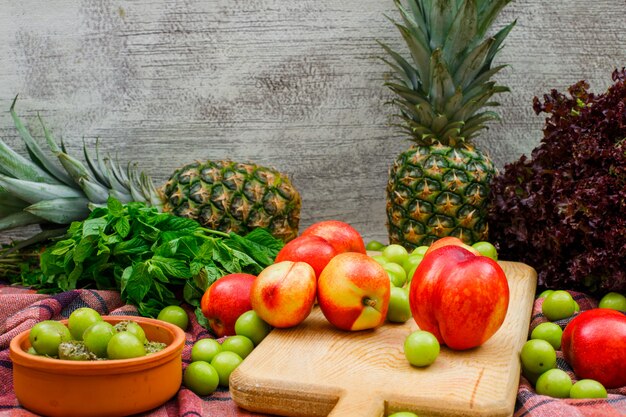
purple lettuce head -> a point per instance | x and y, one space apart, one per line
563 211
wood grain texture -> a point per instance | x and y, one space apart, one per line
314 369
291 84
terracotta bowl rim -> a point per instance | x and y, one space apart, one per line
113 366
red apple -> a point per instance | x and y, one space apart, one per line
283 293
353 292
313 250
342 236
594 344
459 297
225 300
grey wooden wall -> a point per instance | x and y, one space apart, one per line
295 84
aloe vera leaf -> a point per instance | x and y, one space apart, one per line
150 191
94 166
94 191
135 187
120 177
37 154
54 147
17 166
142 188
102 168
19 219
9 200
121 195
73 166
7 209
113 180
61 210
33 192
118 171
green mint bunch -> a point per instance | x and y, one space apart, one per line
154 259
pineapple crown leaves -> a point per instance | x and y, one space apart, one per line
42 189
440 92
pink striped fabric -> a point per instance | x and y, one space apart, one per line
21 308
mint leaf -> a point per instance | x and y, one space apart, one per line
49 264
265 239
115 207
166 249
259 245
184 247
162 292
224 255
172 267
150 307
195 267
72 278
201 279
111 239
155 272
62 247
75 228
102 248
94 226
83 250
147 231
122 227
188 247
68 262
191 294
246 261
176 224
135 246
202 320
128 271
205 251
213 273
98 212
138 283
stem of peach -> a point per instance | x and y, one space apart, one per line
368 302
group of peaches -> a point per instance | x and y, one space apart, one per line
328 264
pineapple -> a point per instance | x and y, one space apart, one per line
439 187
222 195
232 196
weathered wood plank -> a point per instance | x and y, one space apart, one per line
291 84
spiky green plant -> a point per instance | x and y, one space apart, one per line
440 185
53 189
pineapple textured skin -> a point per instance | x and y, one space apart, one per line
436 191
233 196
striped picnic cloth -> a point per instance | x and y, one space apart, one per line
529 404
21 308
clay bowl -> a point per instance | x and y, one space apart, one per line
120 387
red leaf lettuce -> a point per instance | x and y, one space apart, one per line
563 211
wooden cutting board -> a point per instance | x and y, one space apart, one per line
315 369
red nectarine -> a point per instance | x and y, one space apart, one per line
283 293
353 292
225 300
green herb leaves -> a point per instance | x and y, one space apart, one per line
152 258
